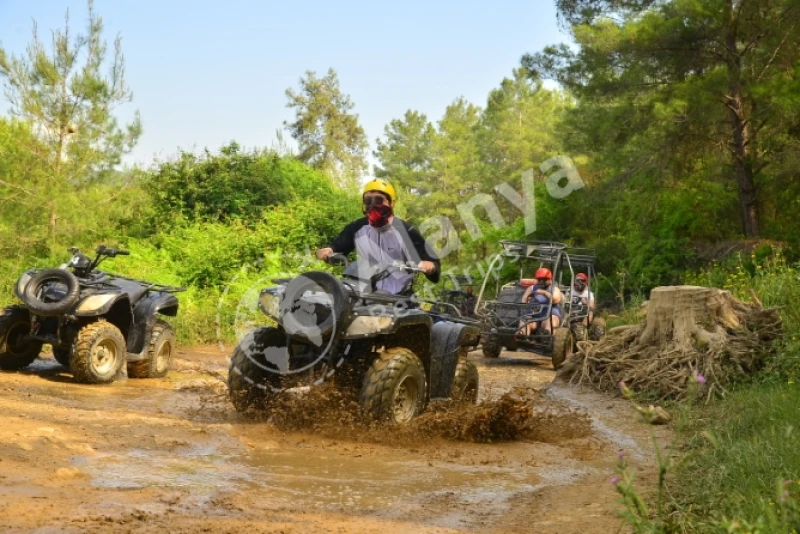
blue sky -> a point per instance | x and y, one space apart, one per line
207 72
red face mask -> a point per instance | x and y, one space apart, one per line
378 215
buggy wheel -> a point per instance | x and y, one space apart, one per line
253 381
491 349
562 346
159 353
597 330
579 331
62 355
394 387
15 351
466 381
99 353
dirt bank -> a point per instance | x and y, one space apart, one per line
171 455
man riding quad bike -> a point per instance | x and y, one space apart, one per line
364 331
381 349
96 322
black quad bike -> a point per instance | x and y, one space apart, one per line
505 316
96 322
454 298
380 349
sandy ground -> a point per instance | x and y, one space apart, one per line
171 455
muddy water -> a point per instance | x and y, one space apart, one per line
152 455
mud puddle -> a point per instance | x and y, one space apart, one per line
172 455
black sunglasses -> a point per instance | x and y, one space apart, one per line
375 199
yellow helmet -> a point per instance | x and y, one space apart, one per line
379 184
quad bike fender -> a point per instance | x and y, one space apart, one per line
447 341
99 304
144 319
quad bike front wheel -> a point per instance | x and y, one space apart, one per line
15 351
491 349
98 354
562 346
466 381
252 382
393 390
159 353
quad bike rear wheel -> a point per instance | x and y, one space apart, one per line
491 349
159 353
597 330
562 346
15 351
393 390
252 382
466 381
98 354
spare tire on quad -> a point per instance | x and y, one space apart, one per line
393 390
159 353
99 353
562 346
15 351
32 297
466 381
253 381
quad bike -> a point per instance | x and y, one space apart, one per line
455 299
505 317
96 322
380 349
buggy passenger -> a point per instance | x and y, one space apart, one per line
539 296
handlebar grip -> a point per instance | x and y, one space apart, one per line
123 253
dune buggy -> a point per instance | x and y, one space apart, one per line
505 316
381 349
96 322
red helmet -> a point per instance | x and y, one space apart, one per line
543 272
581 276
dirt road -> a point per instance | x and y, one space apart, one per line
170 455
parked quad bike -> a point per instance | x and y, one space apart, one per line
96 322
380 349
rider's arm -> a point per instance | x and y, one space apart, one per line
527 294
557 295
345 242
424 254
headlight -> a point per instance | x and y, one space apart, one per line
23 281
270 303
95 302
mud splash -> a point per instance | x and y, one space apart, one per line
521 414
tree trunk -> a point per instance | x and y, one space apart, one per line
742 139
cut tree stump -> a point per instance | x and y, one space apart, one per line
689 331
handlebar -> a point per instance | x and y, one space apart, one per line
102 250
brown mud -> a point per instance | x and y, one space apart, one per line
171 455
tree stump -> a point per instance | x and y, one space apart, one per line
689 332
688 315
